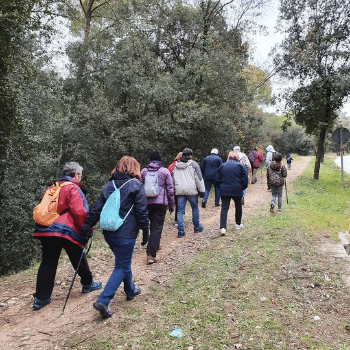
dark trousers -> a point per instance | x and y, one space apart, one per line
225 206
51 250
156 215
176 209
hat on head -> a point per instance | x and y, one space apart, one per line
187 152
237 149
155 155
215 151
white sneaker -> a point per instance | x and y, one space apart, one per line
237 227
223 231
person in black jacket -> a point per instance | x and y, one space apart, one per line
121 241
233 180
209 167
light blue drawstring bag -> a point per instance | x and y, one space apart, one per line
109 218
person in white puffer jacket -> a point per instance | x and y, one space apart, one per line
188 183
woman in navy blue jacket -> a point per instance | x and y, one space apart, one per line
122 241
233 180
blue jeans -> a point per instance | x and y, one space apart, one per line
277 191
207 184
123 249
181 203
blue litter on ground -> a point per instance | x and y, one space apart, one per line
176 333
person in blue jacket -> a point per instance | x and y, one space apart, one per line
233 178
122 241
210 167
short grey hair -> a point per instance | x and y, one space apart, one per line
71 169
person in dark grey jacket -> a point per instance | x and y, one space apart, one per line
121 241
210 167
233 180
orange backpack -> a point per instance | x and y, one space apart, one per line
45 213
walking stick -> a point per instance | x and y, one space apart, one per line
76 272
285 185
261 172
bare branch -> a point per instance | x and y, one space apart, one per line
95 8
82 6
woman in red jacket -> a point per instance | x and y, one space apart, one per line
65 232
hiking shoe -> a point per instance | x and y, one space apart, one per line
204 204
137 291
279 211
151 260
217 205
39 303
103 309
242 201
199 229
91 287
272 208
223 231
179 235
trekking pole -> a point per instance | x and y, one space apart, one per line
285 185
261 172
76 272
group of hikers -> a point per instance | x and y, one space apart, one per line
143 198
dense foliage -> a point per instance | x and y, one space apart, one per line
143 75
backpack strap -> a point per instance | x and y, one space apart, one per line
65 183
120 201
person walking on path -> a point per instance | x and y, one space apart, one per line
243 159
133 208
170 168
289 161
209 167
255 159
269 155
188 182
233 180
276 173
157 206
64 232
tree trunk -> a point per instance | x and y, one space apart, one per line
88 16
320 151
323 132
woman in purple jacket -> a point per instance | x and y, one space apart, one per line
158 203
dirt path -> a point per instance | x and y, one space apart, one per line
23 328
